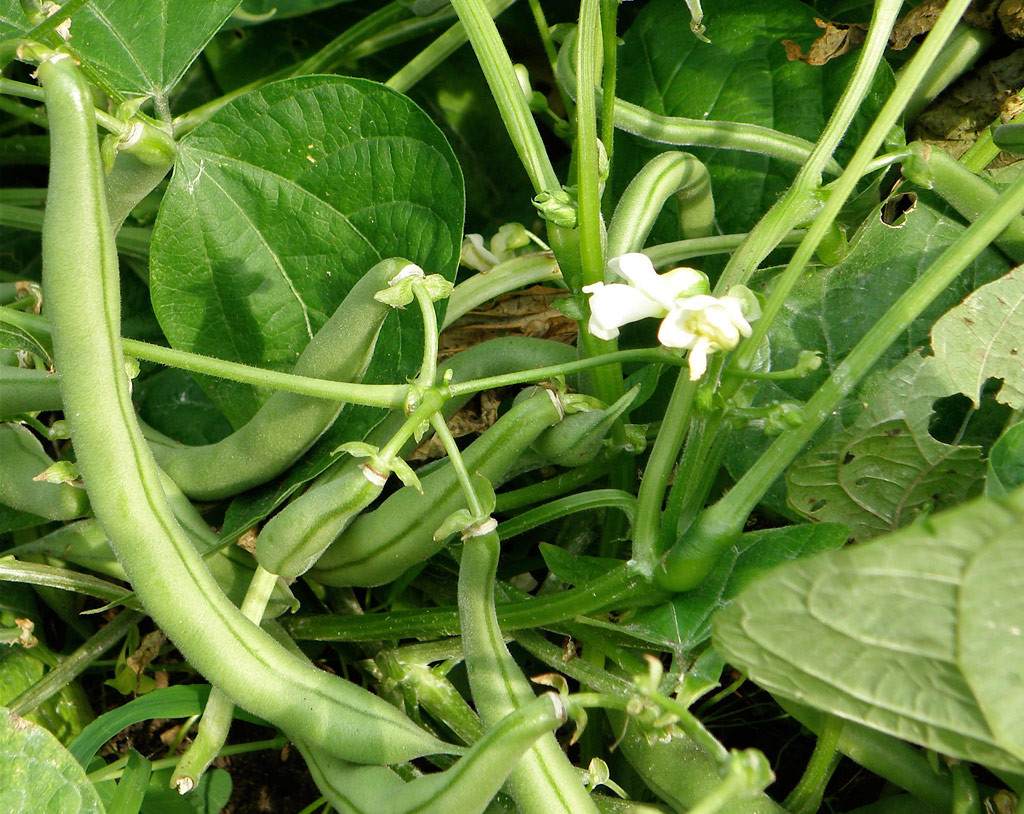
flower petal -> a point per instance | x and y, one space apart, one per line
685 282
698 358
615 305
639 270
475 255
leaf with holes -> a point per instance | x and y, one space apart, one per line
831 308
983 338
917 634
279 203
886 469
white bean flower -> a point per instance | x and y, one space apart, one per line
691 319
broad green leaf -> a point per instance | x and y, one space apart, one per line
142 47
916 634
38 773
172 402
279 203
1006 463
743 75
982 339
884 470
686 619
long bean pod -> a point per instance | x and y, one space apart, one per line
544 782
287 424
80 277
23 460
381 544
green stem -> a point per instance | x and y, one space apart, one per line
438 51
459 465
501 79
113 771
11 87
689 561
131 240
620 587
653 355
662 459
543 30
588 68
692 726
913 75
958 56
806 796
428 367
609 47
665 253
684 132
373 395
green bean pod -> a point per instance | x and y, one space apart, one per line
292 541
580 438
679 771
82 301
544 781
380 545
23 459
467 787
288 424
24 390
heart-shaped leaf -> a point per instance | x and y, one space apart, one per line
280 202
917 634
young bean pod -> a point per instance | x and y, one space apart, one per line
380 545
81 283
544 782
292 541
466 788
288 424
23 459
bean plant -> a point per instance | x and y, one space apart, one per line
733 524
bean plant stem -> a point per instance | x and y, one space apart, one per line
912 76
508 95
215 724
459 465
806 797
11 87
428 368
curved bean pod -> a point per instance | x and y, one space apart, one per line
544 782
288 424
467 787
382 544
80 278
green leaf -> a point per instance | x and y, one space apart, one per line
1006 463
131 788
135 58
573 569
12 338
884 470
179 701
916 634
686 620
38 773
279 203
172 402
743 75
64 714
981 339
